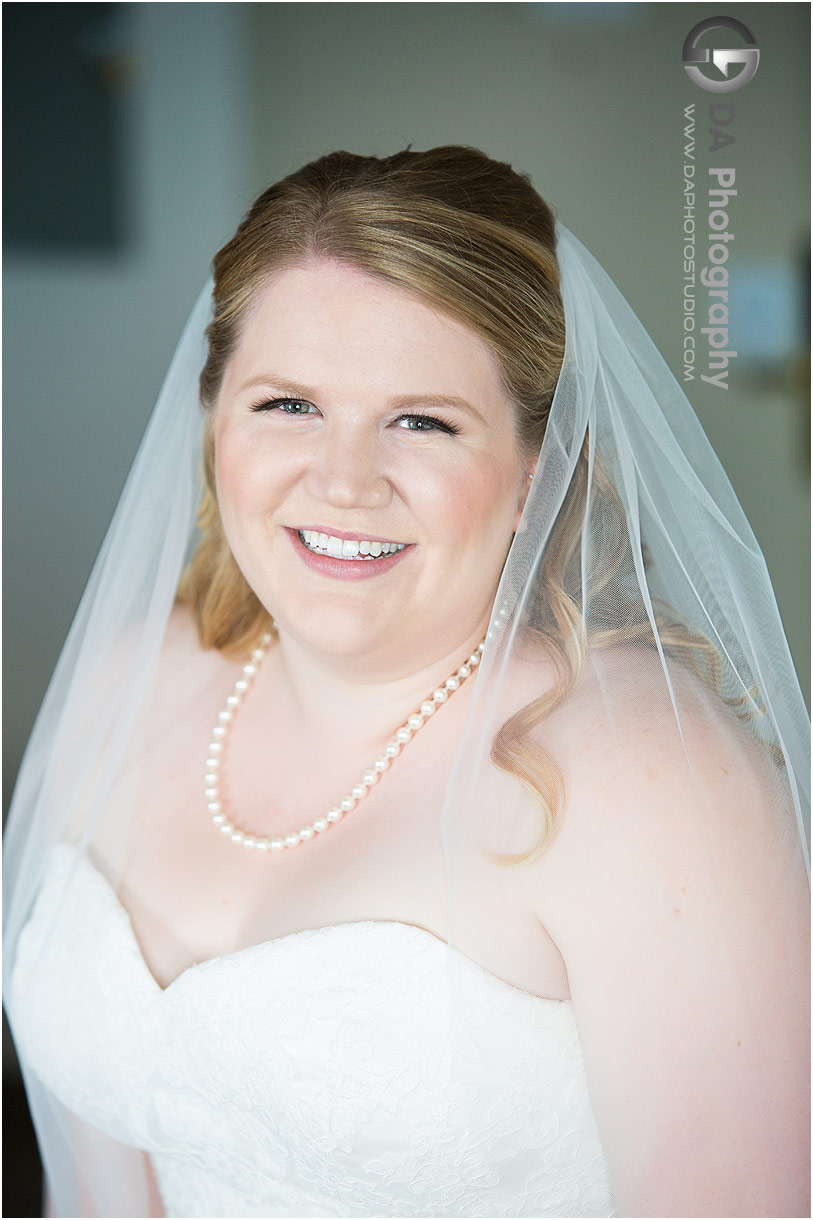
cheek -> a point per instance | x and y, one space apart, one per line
475 503
246 479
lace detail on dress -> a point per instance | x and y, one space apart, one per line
327 1073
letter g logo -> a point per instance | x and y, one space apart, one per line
693 55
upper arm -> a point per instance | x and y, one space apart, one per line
681 914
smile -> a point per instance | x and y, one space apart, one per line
347 548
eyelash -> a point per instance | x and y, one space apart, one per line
440 425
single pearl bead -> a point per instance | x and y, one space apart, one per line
370 778
249 670
262 845
233 700
321 824
249 843
215 807
291 840
474 659
210 777
218 819
237 836
359 791
440 695
403 736
464 671
257 654
392 749
333 815
226 828
306 833
215 747
481 647
381 765
415 721
211 763
266 639
225 716
347 804
241 684
277 844
452 683
219 731
428 708
210 793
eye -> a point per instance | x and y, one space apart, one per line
426 423
286 406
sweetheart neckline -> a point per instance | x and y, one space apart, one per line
266 945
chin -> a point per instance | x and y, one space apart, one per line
338 630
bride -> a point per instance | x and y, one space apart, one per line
433 846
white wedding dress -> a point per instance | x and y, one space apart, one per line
310 1075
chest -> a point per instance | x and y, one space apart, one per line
193 895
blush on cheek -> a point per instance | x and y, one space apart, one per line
491 496
236 473
230 489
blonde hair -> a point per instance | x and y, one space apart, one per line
472 237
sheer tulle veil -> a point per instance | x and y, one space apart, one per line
634 581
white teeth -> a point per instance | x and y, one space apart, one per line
347 548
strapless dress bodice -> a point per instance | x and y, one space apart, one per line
326 1073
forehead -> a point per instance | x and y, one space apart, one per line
327 323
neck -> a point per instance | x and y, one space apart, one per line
330 698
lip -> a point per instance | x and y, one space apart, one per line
345 569
343 534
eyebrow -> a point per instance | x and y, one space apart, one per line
400 402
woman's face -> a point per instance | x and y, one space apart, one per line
356 420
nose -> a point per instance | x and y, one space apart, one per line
346 470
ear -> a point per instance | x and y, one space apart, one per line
525 487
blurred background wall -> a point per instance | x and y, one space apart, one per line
173 116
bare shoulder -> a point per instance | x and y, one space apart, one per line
676 893
156 717
660 775
186 672
179 677
181 642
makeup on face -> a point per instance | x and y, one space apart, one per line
368 473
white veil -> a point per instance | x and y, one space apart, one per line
673 673
85 728
633 556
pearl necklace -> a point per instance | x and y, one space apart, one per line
391 751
